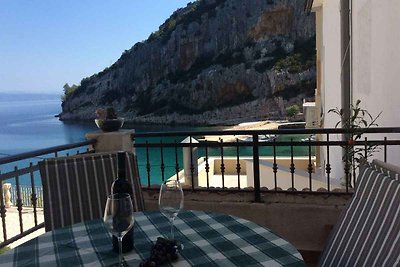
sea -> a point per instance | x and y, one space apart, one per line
28 122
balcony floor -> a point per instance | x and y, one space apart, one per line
12 224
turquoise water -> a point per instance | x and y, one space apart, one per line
28 123
169 155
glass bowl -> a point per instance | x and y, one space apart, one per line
109 125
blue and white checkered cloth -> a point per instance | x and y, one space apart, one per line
209 239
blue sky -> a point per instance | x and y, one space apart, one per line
46 43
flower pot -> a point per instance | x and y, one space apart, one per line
109 125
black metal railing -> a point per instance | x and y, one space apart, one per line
151 146
234 165
22 173
26 193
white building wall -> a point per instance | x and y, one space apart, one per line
376 62
328 13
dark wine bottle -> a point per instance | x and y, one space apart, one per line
122 186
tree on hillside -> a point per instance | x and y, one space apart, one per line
292 111
68 90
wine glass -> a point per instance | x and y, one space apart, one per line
170 201
118 217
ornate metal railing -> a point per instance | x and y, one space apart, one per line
222 165
26 193
150 146
20 175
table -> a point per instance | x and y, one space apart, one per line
209 239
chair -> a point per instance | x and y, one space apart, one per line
390 170
368 230
75 188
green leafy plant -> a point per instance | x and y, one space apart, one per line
359 121
68 90
292 111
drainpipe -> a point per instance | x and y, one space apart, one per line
345 19
345 24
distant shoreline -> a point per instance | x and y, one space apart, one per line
235 124
20 96
133 122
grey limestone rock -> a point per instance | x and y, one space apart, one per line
213 61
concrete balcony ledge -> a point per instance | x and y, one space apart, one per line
304 220
112 141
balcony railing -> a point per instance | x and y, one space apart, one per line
160 160
21 172
234 161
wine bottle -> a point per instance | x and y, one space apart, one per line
122 186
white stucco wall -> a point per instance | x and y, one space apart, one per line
329 49
376 62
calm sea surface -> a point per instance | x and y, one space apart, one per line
28 123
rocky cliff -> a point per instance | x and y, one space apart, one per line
214 61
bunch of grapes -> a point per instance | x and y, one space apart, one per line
163 250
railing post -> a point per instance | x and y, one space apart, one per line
3 215
112 141
7 195
190 165
256 169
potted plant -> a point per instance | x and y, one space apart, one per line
359 121
107 120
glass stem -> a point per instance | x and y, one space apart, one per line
120 250
171 220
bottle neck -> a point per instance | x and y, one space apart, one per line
121 165
121 174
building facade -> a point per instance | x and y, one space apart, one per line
373 67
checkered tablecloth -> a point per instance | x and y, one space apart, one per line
209 239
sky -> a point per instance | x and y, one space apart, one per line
47 43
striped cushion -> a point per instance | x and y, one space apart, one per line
389 169
76 188
368 231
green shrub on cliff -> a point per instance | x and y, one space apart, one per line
290 63
301 59
292 111
193 13
68 90
306 87
294 63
